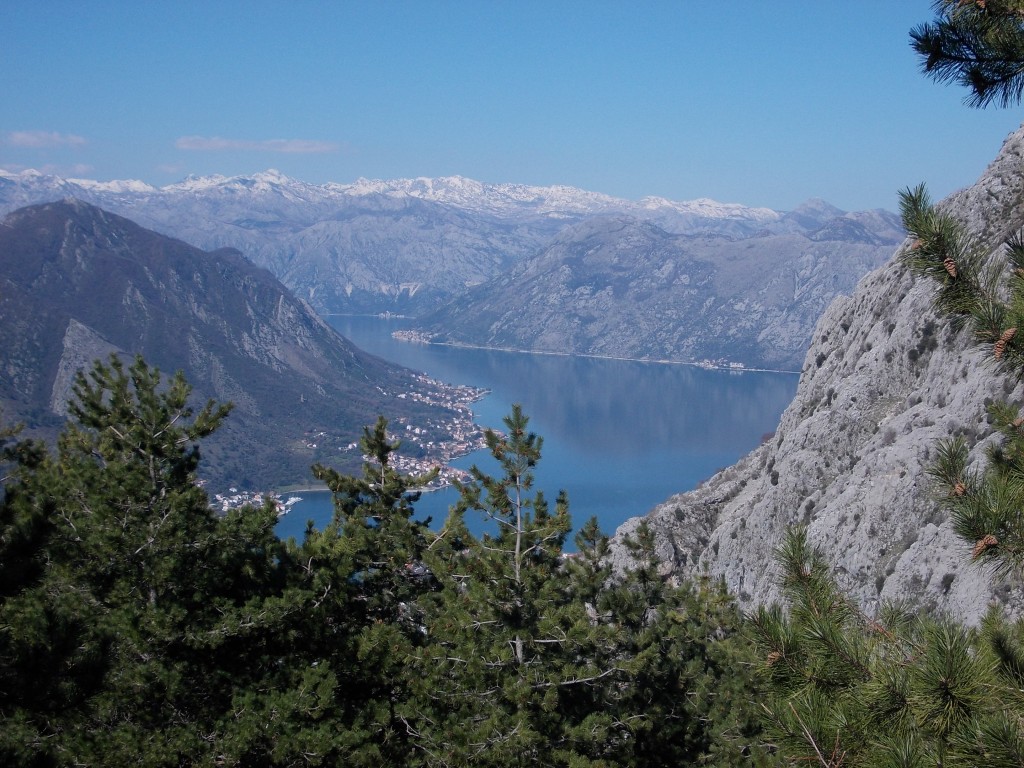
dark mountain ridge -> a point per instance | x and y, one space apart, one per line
78 283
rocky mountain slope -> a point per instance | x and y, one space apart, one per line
623 287
883 380
411 245
78 283
342 248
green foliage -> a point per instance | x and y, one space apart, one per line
138 627
365 575
901 690
538 657
128 629
986 297
978 44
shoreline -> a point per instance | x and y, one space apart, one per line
709 366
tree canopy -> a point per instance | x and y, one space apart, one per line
978 44
139 627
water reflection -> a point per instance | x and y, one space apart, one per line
619 436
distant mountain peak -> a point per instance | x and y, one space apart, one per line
272 175
711 209
196 183
817 206
116 187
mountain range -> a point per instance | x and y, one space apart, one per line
627 288
79 283
453 251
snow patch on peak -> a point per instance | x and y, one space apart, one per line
116 186
196 183
494 199
29 174
272 176
709 209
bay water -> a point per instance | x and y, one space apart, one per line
619 436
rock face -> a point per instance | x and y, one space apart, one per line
883 380
652 279
78 283
623 287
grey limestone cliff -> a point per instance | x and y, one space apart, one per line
622 287
883 380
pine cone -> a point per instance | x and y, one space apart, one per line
984 543
950 266
1000 347
959 489
1018 422
773 657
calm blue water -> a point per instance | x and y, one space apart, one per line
619 436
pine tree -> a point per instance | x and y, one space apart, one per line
51 657
500 617
687 695
986 296
900 689
135 615
537 656
364 575
978 44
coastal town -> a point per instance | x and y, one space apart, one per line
423 448
236 499
426 447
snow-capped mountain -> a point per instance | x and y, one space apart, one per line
513 200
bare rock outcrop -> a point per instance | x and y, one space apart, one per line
884 379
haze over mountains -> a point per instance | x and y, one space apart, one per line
460 253
78 283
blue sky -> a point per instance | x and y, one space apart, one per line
750 101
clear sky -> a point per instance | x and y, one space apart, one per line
759 102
